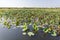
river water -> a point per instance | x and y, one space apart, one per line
16 34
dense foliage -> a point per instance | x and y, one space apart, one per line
47 20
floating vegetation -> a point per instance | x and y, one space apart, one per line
46 20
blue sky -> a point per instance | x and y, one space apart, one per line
29 3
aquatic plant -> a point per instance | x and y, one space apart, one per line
41 19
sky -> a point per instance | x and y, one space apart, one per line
29 3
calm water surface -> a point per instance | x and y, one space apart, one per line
16 34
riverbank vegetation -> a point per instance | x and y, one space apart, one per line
45 19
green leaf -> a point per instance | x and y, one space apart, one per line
7 24
35 27
54 33
25 27
46 30
17 23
